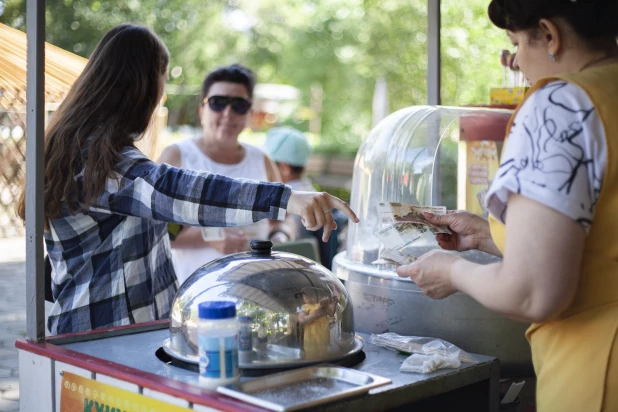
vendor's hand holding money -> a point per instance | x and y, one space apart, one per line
432 273
469 231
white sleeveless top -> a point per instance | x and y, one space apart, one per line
252 166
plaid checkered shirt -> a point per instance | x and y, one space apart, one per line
111 264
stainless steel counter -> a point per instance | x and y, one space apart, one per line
476 382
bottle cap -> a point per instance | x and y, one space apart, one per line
218 309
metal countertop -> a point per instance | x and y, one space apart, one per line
138 351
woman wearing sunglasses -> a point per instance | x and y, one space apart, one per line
224 109
107 205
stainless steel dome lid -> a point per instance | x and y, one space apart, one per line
300 313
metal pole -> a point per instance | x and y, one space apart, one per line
433 90
433 52
35 122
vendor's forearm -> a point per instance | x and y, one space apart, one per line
488 245
501 293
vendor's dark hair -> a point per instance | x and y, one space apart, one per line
234 73
109 106
595 21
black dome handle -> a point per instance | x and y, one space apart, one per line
261 247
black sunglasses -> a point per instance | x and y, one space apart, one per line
219 103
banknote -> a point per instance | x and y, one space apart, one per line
391 212
397 257
390 259
399 235
385 264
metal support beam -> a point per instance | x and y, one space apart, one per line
35 123
433 52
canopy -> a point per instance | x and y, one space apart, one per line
61 69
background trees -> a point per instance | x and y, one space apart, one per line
338 46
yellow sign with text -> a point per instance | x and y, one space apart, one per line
479 162
83 394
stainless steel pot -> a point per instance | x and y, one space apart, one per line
383 302
300 312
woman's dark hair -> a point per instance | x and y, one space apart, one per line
109 107
234 73
595 21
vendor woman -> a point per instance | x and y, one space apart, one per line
107 204
553 205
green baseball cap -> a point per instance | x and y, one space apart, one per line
287 145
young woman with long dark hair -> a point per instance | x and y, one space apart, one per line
107 204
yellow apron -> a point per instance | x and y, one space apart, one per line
576 356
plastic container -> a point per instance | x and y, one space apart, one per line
218 344
245 338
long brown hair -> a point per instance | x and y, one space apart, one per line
109 107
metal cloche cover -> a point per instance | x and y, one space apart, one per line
300 312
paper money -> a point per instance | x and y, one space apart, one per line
391 212
407 223
398 236
385 264
397 257
390 259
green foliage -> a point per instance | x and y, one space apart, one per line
447 171
342 45
333 148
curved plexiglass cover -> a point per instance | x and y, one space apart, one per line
414 156
300 312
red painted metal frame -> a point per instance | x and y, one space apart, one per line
158 383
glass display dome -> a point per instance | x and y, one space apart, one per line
415 156
428 156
